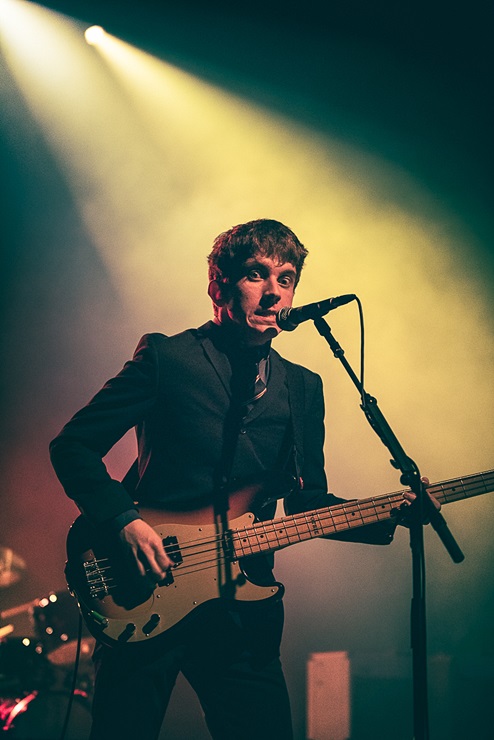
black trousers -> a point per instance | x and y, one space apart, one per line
231 660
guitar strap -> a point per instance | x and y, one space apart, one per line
293 444
290 460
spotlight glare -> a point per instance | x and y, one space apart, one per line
94 35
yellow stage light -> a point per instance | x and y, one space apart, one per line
94 35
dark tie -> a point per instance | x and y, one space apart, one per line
249 379
259 388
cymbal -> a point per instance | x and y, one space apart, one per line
11 567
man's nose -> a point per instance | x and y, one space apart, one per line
271 294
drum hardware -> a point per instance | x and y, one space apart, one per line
40 700
10 708
46 681
39 715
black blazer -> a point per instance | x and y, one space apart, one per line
176 393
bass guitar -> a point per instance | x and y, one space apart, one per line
207 558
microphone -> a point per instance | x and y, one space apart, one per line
289 318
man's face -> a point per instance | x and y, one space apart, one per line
253 301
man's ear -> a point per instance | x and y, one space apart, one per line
218 292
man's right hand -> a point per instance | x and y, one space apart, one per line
146 547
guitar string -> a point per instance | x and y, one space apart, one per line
270 527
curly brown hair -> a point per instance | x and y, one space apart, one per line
263 236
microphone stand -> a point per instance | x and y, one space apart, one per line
421 510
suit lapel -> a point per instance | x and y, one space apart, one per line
218 360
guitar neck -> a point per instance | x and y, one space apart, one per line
264 537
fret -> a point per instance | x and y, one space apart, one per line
281 533
261 539
313 524
339 519
382 510
276 534
361 512
281 530
307 525
343 522
358 515
295 529
355 513
271 534
239 542
300 531
256 541
245 542
320 526
327 521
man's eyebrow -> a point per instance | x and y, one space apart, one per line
288 272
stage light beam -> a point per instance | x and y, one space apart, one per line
159 161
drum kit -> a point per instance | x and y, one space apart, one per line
37 665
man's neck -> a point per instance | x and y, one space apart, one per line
230 340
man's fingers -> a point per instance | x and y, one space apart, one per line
159 562
409 497
152 560
147 548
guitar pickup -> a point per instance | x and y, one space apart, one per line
172 549
167 580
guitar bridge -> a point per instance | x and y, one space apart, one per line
96 577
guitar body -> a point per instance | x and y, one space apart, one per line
122 608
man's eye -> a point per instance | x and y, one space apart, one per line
254 275
286 281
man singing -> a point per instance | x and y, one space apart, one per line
217 413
